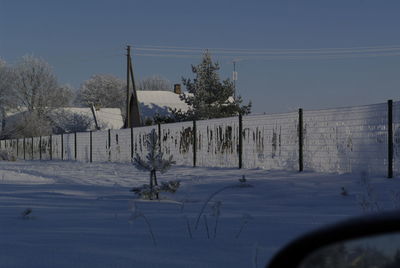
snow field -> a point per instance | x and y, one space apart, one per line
82 214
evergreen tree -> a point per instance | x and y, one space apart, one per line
209 97
155 162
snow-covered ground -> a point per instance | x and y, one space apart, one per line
83 214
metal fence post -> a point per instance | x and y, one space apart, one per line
17 147
90 147
300 134
24 145
32 147
109 145
62 146
51 147
40 147
132 143
75 146
194 131
240 149
159 136
390 138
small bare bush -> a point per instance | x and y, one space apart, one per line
6 155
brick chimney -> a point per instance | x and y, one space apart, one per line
177 89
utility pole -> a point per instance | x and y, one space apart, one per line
94 116
132 103
128 64
234 78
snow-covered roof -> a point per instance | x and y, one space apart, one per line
107 117
111 117
152 102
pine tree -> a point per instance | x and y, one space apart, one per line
155 162
209 97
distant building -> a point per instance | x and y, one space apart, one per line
159 102
63 120
108 118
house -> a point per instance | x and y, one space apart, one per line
153 103
61 120
108 118
157 102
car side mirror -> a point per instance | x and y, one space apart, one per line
370 241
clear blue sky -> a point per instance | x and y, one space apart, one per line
288 52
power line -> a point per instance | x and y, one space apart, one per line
270 54
273 51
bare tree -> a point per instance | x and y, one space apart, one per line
63 121
36 88
34 92
5 91
155 82
103 90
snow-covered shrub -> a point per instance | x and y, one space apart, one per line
154 162
64 121
6 155
145 192
170 186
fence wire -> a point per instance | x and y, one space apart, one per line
351 139
345 140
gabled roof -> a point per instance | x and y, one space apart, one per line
107 117
111 117
152 102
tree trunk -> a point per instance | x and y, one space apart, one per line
155 178
153 182
3 119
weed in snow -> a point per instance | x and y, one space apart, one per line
183 205
367 200
188 227
26 214
255 263
344 191
395 199
135 214
245 219
242 184
206 225
216 212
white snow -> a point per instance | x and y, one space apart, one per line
157 101
82 214
111 117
